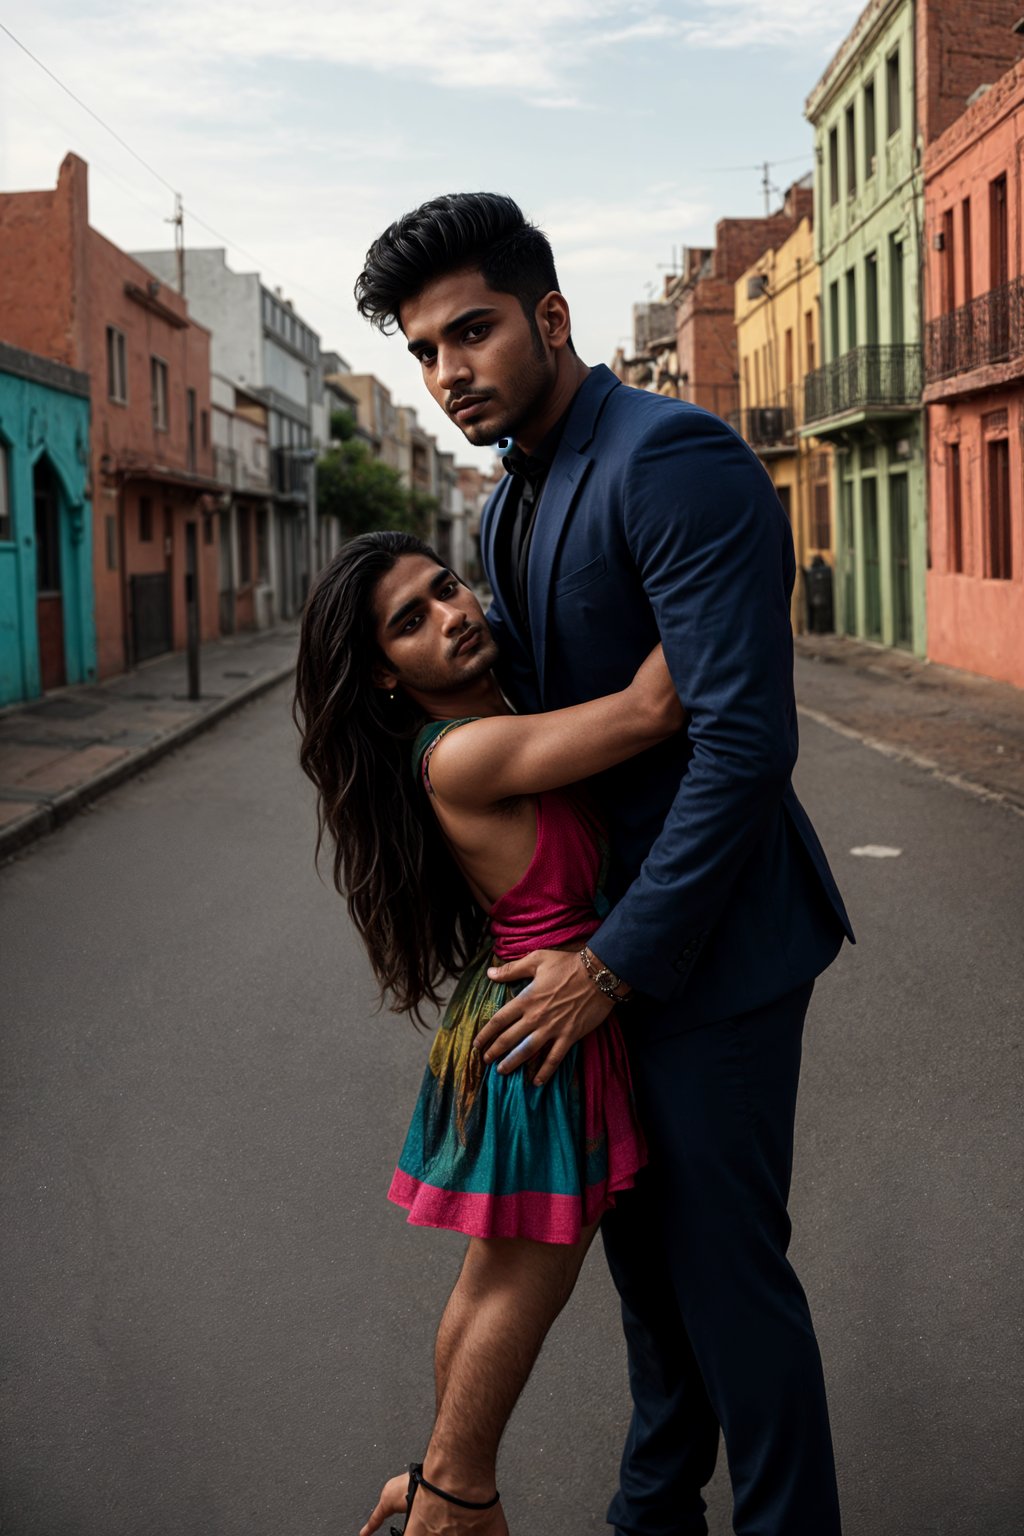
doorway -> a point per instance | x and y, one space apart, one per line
49 587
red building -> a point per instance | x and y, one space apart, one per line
974 373
68 294
705 301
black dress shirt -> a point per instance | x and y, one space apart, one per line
529 472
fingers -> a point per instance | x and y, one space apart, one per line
514 970
392 1501
556 1054
519 1055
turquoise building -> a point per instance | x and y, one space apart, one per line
865 399
47 623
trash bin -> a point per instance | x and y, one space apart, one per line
818 587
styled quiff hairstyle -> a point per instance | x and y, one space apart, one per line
482 230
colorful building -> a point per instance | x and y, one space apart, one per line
865 397
69 295
776 315
684 345
47 625
974 385
900 78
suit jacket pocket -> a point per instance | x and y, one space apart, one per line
582 577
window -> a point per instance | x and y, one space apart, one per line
145 520
117 368
809 339
892 93
110 528
998 234
6 523
821 523
833 167
895 291
851 150
833 306
954 512
851 309
965 248
871 299
158 393
788 344
204 428
870 147
190 421
999 563
948 263
208 529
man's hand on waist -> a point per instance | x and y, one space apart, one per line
560 1005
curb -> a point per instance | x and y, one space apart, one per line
64 806
907 755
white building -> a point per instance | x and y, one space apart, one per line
266 351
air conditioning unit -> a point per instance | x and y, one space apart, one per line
757 286
767 424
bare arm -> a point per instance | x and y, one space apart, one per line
503 756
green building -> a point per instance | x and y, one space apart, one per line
47 625
866 397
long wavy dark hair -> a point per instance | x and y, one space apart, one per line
404 890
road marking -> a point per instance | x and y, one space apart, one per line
876 851
904 755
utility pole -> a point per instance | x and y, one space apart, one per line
179 239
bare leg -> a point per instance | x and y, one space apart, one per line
507 1296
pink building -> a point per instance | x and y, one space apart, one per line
68 294
974 371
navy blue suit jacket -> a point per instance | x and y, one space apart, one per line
657 521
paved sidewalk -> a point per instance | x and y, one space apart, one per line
967 729
64 750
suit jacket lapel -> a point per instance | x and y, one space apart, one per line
561 489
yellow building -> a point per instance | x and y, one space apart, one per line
777 335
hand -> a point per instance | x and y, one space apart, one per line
392 1501
559 1006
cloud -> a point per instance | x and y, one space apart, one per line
746 23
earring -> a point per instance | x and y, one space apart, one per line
391 697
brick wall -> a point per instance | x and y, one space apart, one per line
961 44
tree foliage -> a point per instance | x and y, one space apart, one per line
366 495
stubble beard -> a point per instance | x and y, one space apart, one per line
528 387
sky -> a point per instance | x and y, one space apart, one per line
297 132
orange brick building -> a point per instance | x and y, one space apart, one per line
974 384
69 294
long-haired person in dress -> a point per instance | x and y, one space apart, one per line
460 842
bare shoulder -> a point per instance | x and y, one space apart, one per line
463 763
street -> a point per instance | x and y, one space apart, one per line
216 1325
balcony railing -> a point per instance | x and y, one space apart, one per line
765 426
865 378
988 330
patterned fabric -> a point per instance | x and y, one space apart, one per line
492 1155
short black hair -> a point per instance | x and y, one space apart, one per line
485 230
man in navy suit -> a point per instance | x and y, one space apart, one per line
627 517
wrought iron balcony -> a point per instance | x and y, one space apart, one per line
987 331
864 379
765 427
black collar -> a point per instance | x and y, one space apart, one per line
534 466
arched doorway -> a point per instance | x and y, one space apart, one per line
49 574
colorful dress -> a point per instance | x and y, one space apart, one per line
492 1155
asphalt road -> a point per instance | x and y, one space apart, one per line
215 1324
